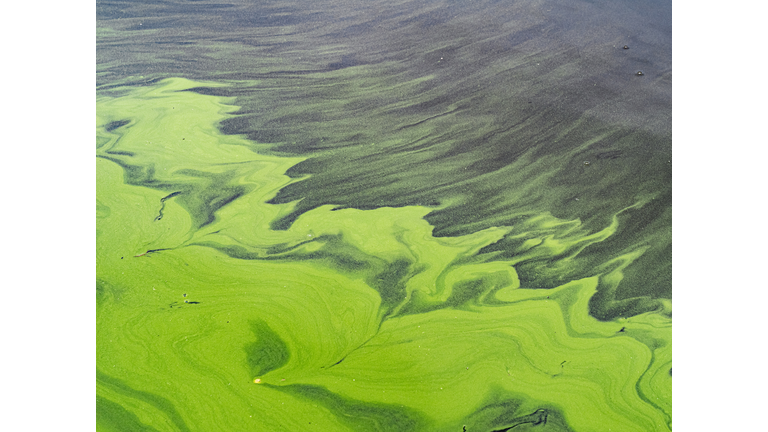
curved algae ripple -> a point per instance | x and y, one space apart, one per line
350 319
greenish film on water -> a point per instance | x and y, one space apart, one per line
383 216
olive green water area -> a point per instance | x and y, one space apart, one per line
209 319
492 113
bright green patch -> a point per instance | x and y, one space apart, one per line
349 319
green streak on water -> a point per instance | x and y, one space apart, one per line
111 416
350 319
268 353
361 416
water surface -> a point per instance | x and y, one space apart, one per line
374 215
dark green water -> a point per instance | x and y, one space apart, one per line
372 215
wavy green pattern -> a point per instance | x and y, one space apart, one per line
495 111
349 319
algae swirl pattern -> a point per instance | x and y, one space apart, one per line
361 319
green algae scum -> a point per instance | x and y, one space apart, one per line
371 244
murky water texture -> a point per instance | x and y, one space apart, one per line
383 216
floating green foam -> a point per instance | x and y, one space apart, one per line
350 319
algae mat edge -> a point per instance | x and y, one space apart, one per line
349 320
